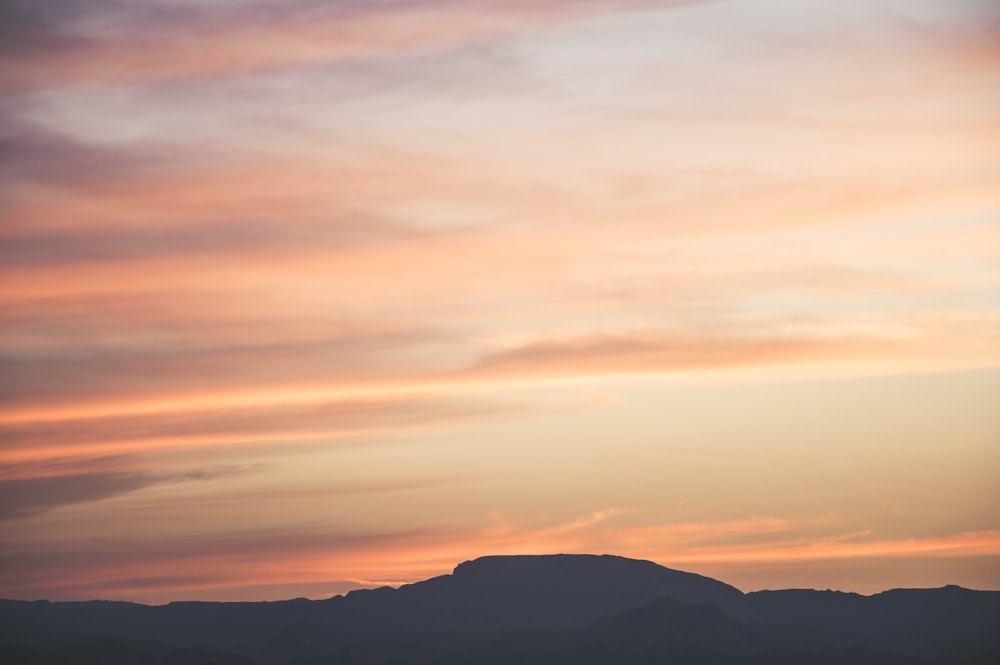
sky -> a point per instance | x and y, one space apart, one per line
303 296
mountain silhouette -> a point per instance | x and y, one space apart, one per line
527 592
949 620
668 621
556 609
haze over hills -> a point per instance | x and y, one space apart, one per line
522 609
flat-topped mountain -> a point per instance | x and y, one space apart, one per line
518 609
521 592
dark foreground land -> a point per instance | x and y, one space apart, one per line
526 610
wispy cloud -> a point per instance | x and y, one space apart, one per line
22 497
303 421
209 560
653 353
109 42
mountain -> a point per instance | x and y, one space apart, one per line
491 593
111 652
524 592
945 621
522 609
669 621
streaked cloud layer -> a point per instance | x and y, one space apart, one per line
304 296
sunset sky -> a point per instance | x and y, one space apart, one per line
306 296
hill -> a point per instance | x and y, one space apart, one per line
522 609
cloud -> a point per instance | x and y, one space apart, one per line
131 566
23 497
66 466
977 543
128 42
195 426
135 567
741 541
660 352
32 27
147 197
35 153
110 245
161 369
214 367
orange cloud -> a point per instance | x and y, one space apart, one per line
241 424
212 566
976 543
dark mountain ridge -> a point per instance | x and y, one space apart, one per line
527 592
556 608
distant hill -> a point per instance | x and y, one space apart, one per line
521 592
522 609
949 620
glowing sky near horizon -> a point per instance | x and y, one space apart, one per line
302 296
